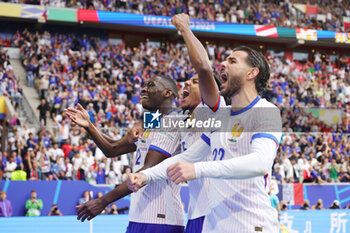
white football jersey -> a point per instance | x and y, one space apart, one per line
242 205
158 202
199 188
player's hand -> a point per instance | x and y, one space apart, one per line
90 209
133 134
136 181
181 171
181 21
79 116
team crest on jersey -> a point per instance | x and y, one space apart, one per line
145 135
236 132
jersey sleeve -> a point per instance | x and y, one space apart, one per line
268 124
195 153
166 142
257 163
203 112
220 103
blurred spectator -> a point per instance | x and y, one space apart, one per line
9 168
334 169
274 201
32 141
113 210
125 175
66 147
105 211
2 165
56 154
347 207
43 108
306 205
18 174
44 87
284 206
91 175
18 160
318 205
15 120
33 205
335 205
114 171
72 154
44 160
35 171
5 205
68 169
85 198
344 176
55 211
101 174
277 174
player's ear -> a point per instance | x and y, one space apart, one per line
252 73
167 93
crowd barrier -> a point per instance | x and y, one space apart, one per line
312 221
66 194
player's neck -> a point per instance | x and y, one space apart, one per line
243 99
165 109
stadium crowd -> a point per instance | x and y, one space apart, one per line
9 84
106 80
263 12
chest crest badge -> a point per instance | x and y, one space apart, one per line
145 135
236 132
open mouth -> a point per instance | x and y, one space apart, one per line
223 77
144 96
185 94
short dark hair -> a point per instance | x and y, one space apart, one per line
257 59
171 84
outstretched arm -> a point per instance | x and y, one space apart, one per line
199 59
257 163
92 208
194 154
110 147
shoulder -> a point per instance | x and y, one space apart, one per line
266 104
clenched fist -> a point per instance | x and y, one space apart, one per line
181 22
136 181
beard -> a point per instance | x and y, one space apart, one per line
234 85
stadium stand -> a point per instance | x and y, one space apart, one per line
323 15
106 80
68 67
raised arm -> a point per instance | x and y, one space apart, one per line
92 208
199 59
110 147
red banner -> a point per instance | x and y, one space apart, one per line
312 10
88 15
